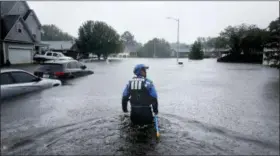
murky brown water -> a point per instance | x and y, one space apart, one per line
205 108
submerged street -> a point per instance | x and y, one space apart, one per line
205 107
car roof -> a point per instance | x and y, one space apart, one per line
3 70
58 61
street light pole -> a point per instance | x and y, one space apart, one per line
154 48
178 40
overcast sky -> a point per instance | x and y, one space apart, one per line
146 20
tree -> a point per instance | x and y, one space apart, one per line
253 41
272 41
53 33
155 47
128 38
130 42
99 38
196 51
274 34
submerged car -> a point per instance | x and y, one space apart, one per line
62 69
15 82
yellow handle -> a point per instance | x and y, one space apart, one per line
158 134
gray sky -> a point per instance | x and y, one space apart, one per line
146 20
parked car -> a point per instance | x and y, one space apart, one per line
50 55
62 69
16 82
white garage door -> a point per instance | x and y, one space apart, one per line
20 56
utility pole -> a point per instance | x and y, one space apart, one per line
178 41
154 48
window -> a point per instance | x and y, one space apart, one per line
6 79
55 54
79 64
69 65
76 65
49 54
51 68
72 65
22 77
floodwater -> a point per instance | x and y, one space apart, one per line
205 107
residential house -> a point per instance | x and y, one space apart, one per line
68 48
184 50
130 50
20 32
214 52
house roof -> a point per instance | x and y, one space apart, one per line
27 14
59 44
6 6
7 22
35 16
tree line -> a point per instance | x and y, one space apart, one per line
244 39
53 33
99 38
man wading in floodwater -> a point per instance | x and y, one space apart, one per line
143 95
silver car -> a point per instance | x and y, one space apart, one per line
16 82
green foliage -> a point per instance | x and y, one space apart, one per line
129 41
156 47
274 34
196 51
98 38
53 33
273 42
248 39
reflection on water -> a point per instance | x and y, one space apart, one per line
137 140
117 136
205 108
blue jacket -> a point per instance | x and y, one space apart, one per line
150 88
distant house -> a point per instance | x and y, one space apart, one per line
67 47
214 52
130 50
20 32
183 50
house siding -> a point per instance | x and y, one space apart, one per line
19 9
16 36
33 26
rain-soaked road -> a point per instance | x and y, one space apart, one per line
205 108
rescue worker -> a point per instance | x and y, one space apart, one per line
142 95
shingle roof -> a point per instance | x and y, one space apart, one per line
7 23
27 14
6 6
59 44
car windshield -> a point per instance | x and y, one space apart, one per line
50 67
